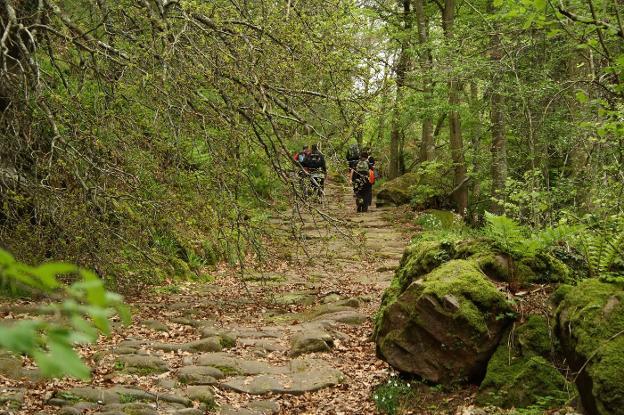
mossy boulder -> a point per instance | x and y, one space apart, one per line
520 373
445 325
543 267
397 191
590 327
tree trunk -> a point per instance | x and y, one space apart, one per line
427 145
395 169
499 140
475 144
460 193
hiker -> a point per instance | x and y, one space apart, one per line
375 172
353 155
316 166
299 156
362 178
302 173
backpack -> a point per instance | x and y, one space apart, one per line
362 168
314 160
353 153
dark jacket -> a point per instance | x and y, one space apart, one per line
315 160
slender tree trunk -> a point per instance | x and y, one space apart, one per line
499 152
382 110
402 66
499 140
460 193
427 145
475 144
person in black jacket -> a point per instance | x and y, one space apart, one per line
314 163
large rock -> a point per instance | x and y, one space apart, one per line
590 327
397 191
520 373
445 325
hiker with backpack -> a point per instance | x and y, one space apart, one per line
353 155
362 179
316 167
302 173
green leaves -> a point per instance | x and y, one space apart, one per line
518 240
87 305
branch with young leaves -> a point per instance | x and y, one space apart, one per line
79 317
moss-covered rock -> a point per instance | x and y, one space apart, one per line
590 327
520 373
397 191
521 381
535 338
543 267
445 325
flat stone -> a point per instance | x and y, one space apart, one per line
119 394
300 376
234 365
346 317
264 407
199 375
140 408
69 410
257 333
167 383
189 411
90 394
230 410
310 341
330 308
208 344
10 367
155 325
331 298
200 393
296 297
12 398
124 350
263 345
143 363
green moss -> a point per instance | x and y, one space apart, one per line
519 373
421 258
590 320
227 342
127 398
559 295
594 312
534 337
543 268
397 191
476 294
520 382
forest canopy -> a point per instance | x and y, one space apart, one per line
160 133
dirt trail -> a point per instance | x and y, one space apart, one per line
296 340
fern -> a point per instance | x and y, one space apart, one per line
506 233
517 240
603 250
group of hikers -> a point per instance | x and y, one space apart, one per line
362 173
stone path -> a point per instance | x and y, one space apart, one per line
294 340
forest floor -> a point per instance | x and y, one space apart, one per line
294 338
